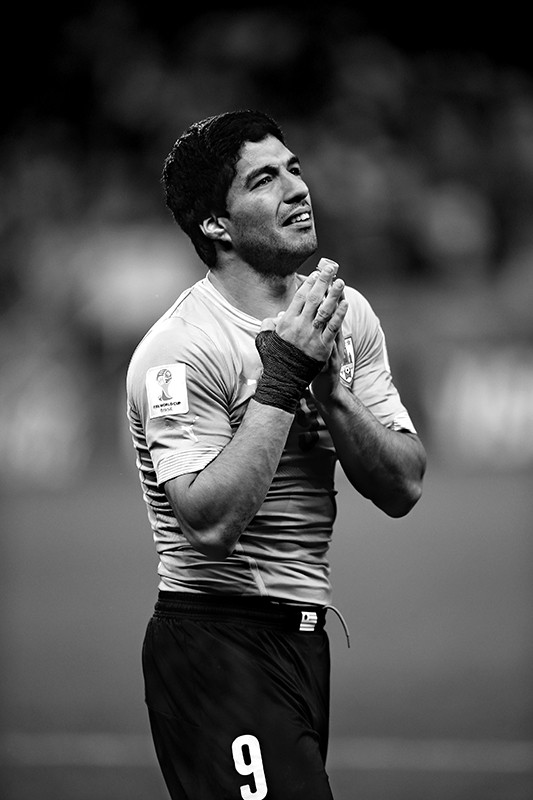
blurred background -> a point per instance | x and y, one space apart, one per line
415 131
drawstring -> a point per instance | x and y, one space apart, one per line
343 622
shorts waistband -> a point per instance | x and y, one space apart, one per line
301 617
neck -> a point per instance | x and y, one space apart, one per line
258 295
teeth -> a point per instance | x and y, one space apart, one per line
301 217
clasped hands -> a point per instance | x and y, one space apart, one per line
313 322
315 314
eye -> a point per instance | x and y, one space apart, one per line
262 181
296 170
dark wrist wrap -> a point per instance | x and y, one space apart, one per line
287 372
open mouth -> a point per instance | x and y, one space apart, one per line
294 219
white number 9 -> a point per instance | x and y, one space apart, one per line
253 765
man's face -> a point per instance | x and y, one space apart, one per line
269 214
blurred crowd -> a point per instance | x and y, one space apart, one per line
420 166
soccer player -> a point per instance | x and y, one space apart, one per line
241 399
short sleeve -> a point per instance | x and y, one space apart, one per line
183 400
370 377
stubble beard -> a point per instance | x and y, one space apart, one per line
277 262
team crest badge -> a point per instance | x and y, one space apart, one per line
166 388
348 362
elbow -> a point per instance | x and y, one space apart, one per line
216 540
213 551
400 503
206 528
399 508
408 490
214 544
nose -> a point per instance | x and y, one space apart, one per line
294 187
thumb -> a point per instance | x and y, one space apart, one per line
269 323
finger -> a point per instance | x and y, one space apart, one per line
324 262
268 324
338 347
298 301
329 303
329 269
318 291
333 326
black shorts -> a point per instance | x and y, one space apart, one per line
238 696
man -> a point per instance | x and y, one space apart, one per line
240 399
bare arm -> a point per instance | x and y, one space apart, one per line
384 465
214 506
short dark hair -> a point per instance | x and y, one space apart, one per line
201 165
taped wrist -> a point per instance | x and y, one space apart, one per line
287 372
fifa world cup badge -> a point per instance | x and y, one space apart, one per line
348 362
166 389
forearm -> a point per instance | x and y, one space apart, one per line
384 465
215 506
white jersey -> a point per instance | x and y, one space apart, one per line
188 386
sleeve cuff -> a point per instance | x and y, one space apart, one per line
184 462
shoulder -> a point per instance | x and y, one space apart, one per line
192 318
187 333
356 298
360 311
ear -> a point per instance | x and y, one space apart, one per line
215 228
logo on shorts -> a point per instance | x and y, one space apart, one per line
348 362
309 620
